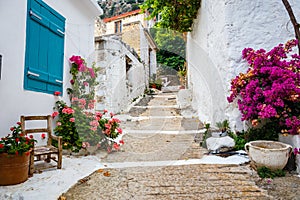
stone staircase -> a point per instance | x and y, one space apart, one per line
160 114
160 160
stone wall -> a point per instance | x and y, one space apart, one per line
122 76
220 33
131 35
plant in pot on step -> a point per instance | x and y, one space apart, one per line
14 156
268 94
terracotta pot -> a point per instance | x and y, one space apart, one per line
271 154
13 168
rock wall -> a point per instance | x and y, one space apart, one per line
220 33
122 76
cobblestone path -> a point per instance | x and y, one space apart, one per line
157 133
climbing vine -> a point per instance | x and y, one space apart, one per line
177 15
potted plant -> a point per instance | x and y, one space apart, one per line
14 156
268 93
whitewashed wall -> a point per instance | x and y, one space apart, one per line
14 100
220 33
117 88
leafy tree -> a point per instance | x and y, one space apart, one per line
171 48
175 14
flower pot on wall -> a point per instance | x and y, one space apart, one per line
13 168
271 154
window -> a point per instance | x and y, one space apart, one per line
44 48
118 27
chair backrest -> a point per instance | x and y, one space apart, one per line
37 125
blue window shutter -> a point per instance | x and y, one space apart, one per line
44 48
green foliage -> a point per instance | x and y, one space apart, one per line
176 15
265 172
223 126
155 85
67 128
269 131
205 134
239 139
171 47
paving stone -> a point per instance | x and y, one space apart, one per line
197 181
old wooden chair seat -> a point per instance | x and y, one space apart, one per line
43 150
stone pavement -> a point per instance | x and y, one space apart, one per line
160 160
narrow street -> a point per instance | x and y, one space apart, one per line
157 161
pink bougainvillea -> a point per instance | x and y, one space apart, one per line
270 88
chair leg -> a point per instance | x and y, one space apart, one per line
48 159
31 163
59 160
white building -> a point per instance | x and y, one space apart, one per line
36 40
122 76
220 33
133 29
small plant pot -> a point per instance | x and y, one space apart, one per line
271 154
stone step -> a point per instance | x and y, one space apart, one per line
154 111
159 117
159 107
171 132
191 182
162 123
164 95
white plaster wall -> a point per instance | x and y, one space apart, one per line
116 86
14 100
153 63
144 53
221 31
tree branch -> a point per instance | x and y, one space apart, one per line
293 20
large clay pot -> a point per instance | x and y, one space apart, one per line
13 168
271 154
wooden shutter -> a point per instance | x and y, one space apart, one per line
44 48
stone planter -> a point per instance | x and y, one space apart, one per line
14 169
271 154
294 141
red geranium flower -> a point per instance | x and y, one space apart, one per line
57 93
43 135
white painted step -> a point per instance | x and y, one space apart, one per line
210 159
128 131
140 118
153 107
166 96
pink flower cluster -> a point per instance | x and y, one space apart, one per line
270 89
81 66
67 110
82 103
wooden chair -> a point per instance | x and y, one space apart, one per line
45 150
